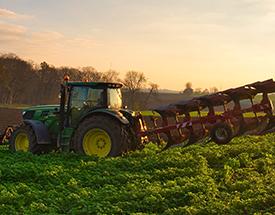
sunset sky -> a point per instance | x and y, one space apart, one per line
222 43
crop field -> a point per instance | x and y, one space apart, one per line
238 178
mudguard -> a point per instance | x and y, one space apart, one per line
40 130
113 113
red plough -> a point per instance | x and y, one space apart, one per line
220 116
5 136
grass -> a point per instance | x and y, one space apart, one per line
238 178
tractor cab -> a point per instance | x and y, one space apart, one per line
80 98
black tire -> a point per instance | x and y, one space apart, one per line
33 146
117 132
221 133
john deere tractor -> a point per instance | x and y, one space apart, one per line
89 120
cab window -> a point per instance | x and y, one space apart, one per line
87 97
114 98
83 99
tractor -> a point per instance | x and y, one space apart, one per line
89 120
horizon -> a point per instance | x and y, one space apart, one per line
209 43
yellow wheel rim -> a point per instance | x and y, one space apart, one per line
97 142
22 142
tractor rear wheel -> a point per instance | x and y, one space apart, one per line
221 133
101 136
23 139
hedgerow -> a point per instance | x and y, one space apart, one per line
238 178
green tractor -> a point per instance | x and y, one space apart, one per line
89 120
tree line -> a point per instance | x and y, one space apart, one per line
24 82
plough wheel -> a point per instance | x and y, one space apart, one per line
221 133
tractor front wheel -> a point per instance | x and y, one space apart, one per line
101 136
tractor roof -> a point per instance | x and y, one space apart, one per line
94 84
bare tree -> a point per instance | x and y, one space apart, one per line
198 90
111 76
188 89
50 79
205 91
188 85
133 82
214 90
5 79
14 74
153 91
91 74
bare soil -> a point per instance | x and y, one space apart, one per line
9 117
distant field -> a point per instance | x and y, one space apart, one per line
9 116
14 106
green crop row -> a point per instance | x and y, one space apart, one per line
238 178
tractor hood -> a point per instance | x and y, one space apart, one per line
39 111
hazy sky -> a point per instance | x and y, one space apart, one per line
222 43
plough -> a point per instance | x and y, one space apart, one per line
5 136
220 116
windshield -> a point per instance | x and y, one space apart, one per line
114 98
85 97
